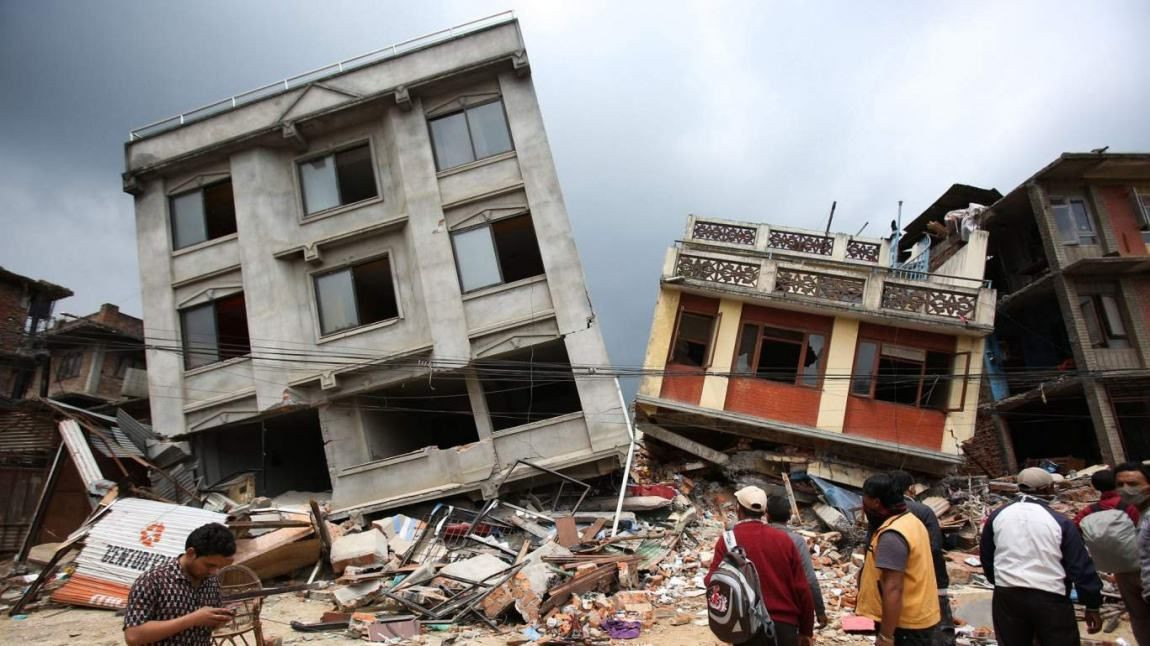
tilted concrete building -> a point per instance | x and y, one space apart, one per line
797 337
364 278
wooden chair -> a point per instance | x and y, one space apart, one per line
244 629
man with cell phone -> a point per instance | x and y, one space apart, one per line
177 603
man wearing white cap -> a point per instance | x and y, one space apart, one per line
780 568
1034 555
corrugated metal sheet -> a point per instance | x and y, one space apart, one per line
184 473
27 432
120 446
81 455
138 432
133 537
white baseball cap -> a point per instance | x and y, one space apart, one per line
752 498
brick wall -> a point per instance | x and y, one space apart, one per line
773 400
13 315
983 451
1123 221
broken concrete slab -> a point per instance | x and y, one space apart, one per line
477 568
350 597
362 548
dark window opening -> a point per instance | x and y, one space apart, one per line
214 332
785 356
203 214
903 375
68 365
692 339
501 252
1104 322
415 414
477 132
529 385
358 295
345 177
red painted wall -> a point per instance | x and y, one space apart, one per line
909 338
1123 220
773 400
688 387
899 423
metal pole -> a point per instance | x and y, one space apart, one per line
630 456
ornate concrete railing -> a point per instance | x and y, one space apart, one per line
727 272
865 251
822 286
801 242
720 232
929 300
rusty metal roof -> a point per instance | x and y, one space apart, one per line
26 429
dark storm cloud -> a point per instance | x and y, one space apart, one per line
753 111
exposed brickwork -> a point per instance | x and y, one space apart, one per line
687 389
983 450
773 400
896 423
1124 222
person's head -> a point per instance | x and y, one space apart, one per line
1035 480
778 510
1103 481
752 502
208 548
1133 482
903 481
882 498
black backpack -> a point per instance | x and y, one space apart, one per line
735 607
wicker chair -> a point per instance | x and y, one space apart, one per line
244 629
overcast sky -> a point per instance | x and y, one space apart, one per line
763 111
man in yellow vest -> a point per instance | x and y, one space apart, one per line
897 587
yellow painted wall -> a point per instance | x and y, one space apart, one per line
836 385
960 424
659 343
722 355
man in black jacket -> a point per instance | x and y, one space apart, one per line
903 482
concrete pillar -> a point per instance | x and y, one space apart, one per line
722 355
659 341
92 383
960 424
836 386
479 409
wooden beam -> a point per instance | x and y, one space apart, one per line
688 445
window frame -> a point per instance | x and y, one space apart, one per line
317 315
220 360
74 360
332 151
872 375
753 369
470 138
490 226
716 319
1068 199
171 207
1140 195
1105 325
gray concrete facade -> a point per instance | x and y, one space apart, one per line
441 332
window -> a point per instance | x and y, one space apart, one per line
503 251
1142 206
1072 217
69 365
904 375
1104 322
215 332
786 356
203 214
357 295
474 133
345 177
528 385
692 343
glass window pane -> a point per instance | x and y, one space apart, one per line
1114 325
1081 216
745 358
864 365
188 226
320 190
201 346
813 362
1093 325
489 129
336 296
475 257
1066 229
356 175
451 141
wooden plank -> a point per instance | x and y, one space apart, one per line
561 594
285 559
796 517
567 534
688 445
596 527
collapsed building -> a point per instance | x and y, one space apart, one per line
827 342
363 279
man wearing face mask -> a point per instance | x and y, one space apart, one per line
1034 555
1109 528
897 586
1133 482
